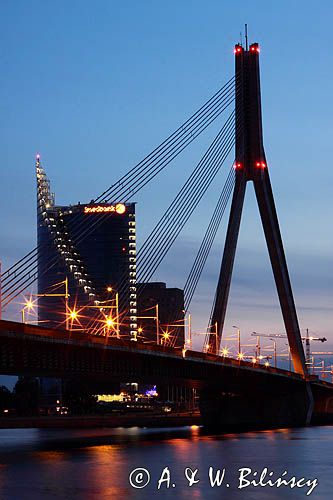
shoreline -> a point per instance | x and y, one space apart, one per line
91 421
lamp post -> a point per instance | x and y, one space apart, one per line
65 295
275 353
238 338
157 326
165 337
216 338
258 347
29 305
157 323
109 290
189 339
110 321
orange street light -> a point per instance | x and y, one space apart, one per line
225 352
164 337
73 315
109 322
28 305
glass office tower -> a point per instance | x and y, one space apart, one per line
86 264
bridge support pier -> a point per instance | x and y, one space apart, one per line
240 405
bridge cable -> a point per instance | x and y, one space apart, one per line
137 188
28 275
146 271
209 237
166 231
207 337
222 95
204 250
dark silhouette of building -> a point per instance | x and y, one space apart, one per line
155 300
86 264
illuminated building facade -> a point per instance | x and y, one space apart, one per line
155 300
86 264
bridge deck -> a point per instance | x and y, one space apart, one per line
37 336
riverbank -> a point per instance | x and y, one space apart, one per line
91 421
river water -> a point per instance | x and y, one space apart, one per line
99 464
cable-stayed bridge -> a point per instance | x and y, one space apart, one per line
231 391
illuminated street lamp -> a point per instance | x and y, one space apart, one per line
157 322
72 314
213 332
29 305
225 352
165 337
109 322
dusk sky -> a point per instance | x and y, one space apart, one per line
95 86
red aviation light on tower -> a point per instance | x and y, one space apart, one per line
261 164
238 165
254 47
238 49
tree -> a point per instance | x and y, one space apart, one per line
6 399
79 397
26 396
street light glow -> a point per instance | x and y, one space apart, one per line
109 322
73 314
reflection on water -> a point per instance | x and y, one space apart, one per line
89 464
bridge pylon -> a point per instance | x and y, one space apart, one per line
251 165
